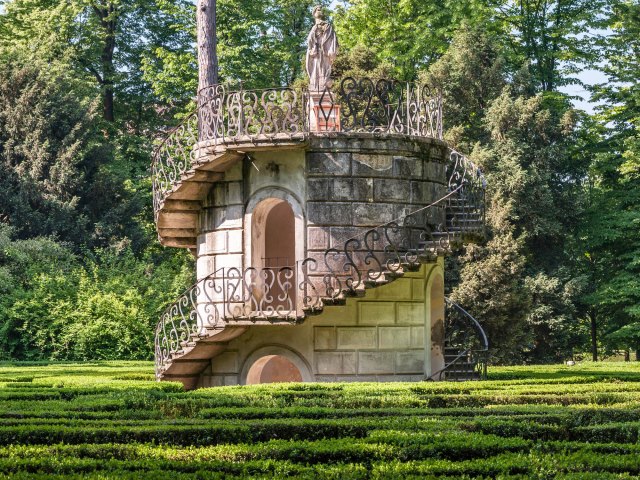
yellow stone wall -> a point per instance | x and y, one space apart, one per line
384 336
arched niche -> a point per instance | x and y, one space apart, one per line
273 242
266 212
273 369
274 363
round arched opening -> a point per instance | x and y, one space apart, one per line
273 239
274 234
273 369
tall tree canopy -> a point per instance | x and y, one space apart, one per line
86 84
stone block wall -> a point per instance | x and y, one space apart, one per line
385 336
221 225
356 182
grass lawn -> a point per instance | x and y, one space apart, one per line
112 420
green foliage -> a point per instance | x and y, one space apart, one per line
611 248
562 191
108 419
557 38
409 34
57 307
46 153
517 283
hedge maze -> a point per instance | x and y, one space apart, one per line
111 420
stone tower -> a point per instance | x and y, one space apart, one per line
319 218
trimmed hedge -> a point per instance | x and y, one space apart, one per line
109 420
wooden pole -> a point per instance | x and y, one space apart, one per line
207 43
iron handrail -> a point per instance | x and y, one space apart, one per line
225 116
465 353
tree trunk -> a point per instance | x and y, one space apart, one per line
107 95
594 337
107 15
207 43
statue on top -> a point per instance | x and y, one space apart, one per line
322 48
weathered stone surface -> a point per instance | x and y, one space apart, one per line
226 362
178 220
417 289
394 337
325 213
340 189
221 217
370 164
318 189
212 243
411 313
226 193
205 265
234 193
417 337
339 235
356 337
327 163
376 362
391 190
372 214
377 313
407 167
435 172
335 363
410 361
324 338
229 261
317 238
425 192
234 241
438 153
230 380
397 290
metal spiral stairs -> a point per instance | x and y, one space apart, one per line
221 306
198 326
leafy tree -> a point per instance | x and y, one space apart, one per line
103 41
519 283
47 154
612 227
556 37
57 305
410 34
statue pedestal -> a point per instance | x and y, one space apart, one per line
324 113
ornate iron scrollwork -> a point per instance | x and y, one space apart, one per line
468 340
226 116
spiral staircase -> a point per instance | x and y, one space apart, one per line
222 305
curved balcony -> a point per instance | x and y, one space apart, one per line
229 122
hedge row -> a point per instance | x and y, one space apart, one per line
99 421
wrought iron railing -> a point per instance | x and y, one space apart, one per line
173 157
228 116
368 258
465 336
229 294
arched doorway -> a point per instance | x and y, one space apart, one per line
280 236
273 369
273 253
